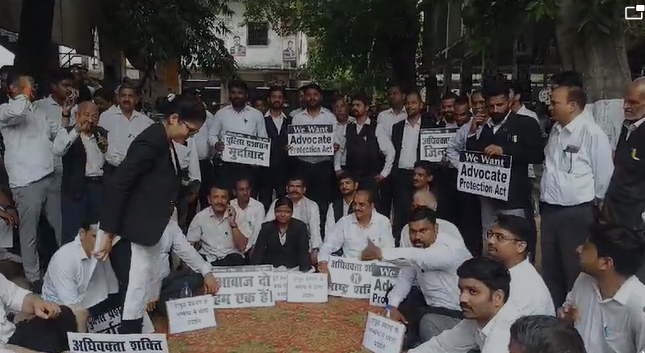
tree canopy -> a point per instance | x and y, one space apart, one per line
358 44
160 30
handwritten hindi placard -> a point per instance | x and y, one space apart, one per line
96 342
383 335
434 143
307 288
244 287
483 175
246 149
350 278
280 281
383 279
109 321
191 314
310 140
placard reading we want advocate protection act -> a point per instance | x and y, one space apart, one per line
310 140
483 175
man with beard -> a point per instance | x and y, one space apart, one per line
606 302
276 122
447 112
318 171
509 241
238 117
506 133
340 208
305 210
433 263
301 102
484 284
369 153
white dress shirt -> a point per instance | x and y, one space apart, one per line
494 337
445 227
387 118
11 297
248 121
307 211
434 269
188 158
457 144
330 220
384 144
54 113
173 239
249 219
74 278
352 238
28 142
529 294
340 136
409 144
527 112
573 177
204 150
324 118
612 325
276 121
215 235
300 110
93 155
121 132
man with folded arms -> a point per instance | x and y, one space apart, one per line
433 263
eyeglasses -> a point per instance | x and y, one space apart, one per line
191 131
499 238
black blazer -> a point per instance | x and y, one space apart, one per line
294 253
74 161
397 137
140 195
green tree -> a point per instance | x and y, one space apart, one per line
360 43
591 37
155 31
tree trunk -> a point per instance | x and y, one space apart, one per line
403 46
601 58
34 38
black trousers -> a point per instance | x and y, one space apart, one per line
470 222
230 260
273 179
402 198
445 190
49 336
321 180
563 229
75 210
120 258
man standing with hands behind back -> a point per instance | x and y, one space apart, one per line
139 200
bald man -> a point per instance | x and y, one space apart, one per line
427 199
624 202
82 146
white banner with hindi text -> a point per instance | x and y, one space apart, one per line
96 342
244 287
483 175
307 288
434 143
350 278
246 149
383 335
190 314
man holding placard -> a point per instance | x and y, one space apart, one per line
312 142
433 263
235 125
498 153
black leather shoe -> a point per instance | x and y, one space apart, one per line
131 326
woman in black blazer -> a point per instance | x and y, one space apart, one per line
283 241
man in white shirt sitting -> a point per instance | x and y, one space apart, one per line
249 212
304 209
216 231
75 277
339 208
353 232
508 242
544 334
484 284
427 199
433 263
607 301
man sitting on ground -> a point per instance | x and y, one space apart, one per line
425 198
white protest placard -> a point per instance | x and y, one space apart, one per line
246 149
350 278
434 143
191 314
244 287
109 321
310 140
307 288
383 279
97 342
483 175
383 335
280 281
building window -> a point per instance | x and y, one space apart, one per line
258 33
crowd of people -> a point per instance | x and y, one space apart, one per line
126 196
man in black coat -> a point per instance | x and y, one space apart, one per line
139 200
